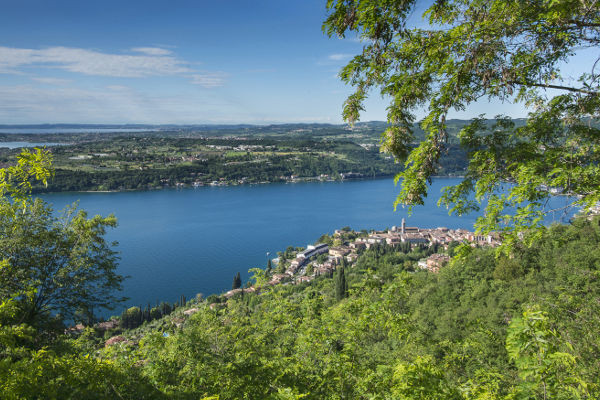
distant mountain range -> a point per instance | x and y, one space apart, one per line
369 124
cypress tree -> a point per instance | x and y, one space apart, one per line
341 287
124 320
165 309
405 247
237 281
146 315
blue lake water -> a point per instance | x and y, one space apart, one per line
71 130
190 241
16 145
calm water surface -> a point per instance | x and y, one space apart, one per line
15 145
190 241
71 130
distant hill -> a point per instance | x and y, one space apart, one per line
370 130
367 125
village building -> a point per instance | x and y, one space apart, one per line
358 244
434 262
408 229
351 257
415 238
339 251
393 240
277 278
296 264
312 251
375 239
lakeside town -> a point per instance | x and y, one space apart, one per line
302 265
324 258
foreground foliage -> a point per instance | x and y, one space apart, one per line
65 260
485 327
52 268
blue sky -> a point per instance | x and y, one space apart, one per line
218 61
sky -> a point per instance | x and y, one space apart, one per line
177 62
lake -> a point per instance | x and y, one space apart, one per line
195 240
16 145
22 131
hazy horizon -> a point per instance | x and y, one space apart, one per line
209 124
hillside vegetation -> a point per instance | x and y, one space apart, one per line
484 327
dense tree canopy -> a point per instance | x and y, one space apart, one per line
466 50
50 265
67 260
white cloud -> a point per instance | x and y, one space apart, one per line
209 79
339 56
153 62
11 58
152 51
51 81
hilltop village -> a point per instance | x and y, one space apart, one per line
324 258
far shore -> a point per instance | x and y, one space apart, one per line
223 184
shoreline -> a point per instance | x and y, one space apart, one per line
192 186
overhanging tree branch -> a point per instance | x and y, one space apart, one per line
559 87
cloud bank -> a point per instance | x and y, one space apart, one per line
144 62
